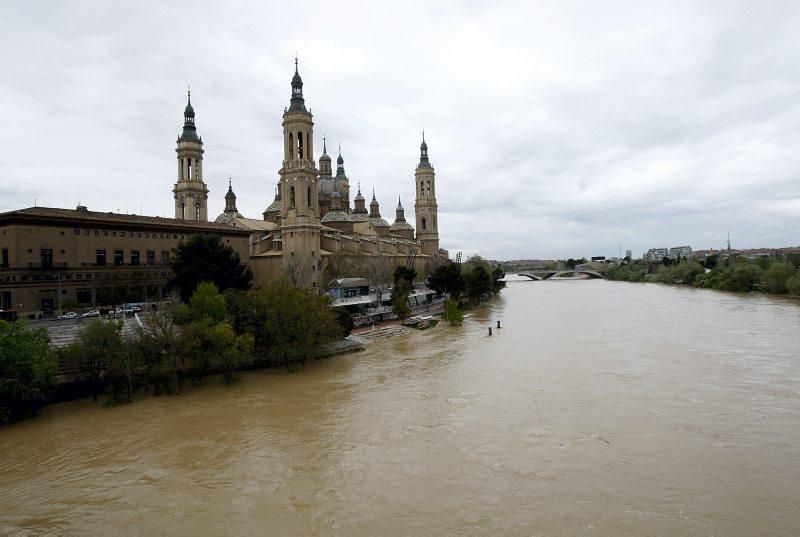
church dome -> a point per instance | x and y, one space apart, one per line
359 217
335 216
401 226
274 207
225 218
378 222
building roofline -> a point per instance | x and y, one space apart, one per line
83 218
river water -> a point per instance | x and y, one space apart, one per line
599 408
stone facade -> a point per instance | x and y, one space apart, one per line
53 257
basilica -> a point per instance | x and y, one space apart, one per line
53 259
311 219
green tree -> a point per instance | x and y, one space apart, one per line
95 347
164 354
689 271
479 283
208 338
345 320
286 322
634 271
122 373
793 284
452 314
572 263
497 280
710 262
28 370
776 277
400 307
403 286
207 304
404 279
205 258
742 276
447 279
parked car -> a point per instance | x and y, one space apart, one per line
91 313
68 315
118 310
132 309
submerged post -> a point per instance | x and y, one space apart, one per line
498 324
490 330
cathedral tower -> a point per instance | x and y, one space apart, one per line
230 211
425 206
191 194
325 182
342 181
300 225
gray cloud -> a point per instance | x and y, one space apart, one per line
556 129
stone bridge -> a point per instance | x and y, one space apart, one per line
548 274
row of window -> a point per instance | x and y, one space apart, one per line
135 258
48 277
131 234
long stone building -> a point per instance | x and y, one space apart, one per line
52 256
53 259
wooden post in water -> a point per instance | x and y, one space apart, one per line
498 324
490 330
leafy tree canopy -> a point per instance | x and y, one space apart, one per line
283 318
479 282
28 370
447 279
205 258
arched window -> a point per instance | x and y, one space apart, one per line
299 144
291 144
197 211
429 188
421 188
291 197
423 224
308 200
189 169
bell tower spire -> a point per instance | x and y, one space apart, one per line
190 192
425 205
300 221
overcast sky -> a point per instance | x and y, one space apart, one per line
557 129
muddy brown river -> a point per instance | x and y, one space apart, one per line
599 408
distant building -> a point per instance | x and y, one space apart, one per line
680 253
628 254
655 254
675 253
